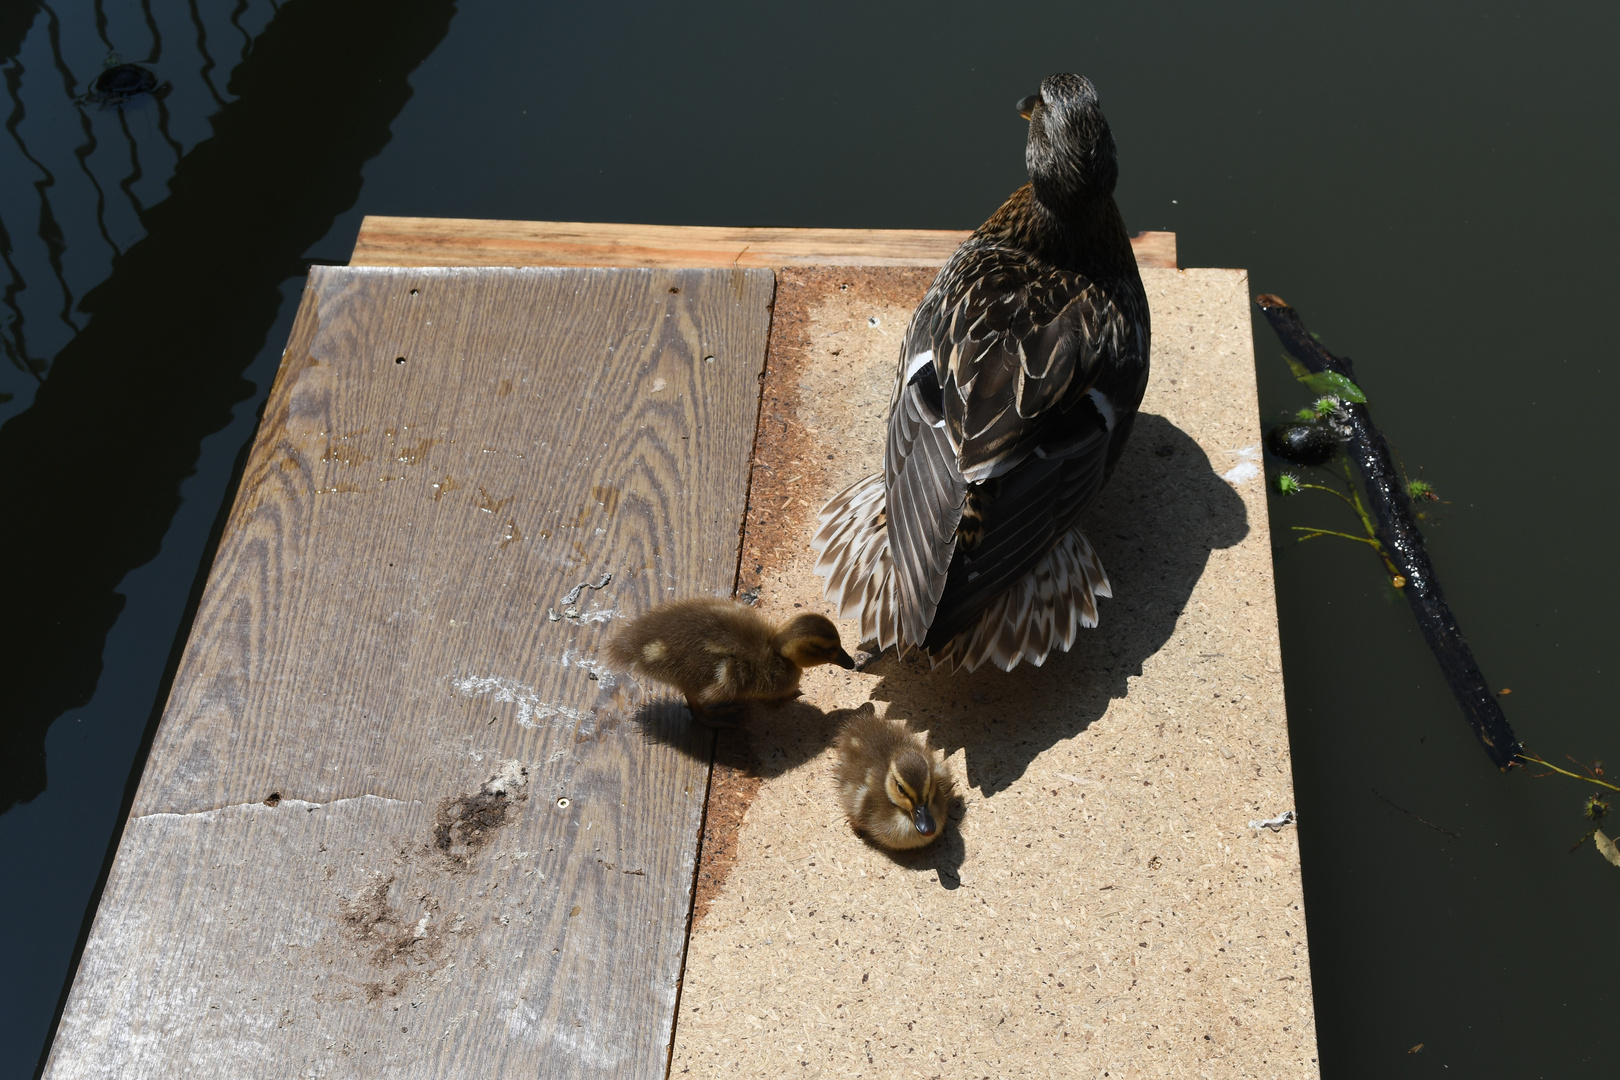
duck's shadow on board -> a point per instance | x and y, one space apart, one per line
1154 526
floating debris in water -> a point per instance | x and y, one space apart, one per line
1303 443
120 82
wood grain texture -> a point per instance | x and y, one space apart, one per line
409 241
395 823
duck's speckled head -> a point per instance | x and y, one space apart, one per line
811 639
912 787
1070 153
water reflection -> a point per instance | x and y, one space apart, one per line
150 251
77 173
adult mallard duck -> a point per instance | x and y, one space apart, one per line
1019 378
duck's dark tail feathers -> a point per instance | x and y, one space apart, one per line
1043 611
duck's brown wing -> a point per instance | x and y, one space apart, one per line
1016 521
994 378
924 492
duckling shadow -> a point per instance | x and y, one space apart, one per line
666 721
768 740
1154 526
944 856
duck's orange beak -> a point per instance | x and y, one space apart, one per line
1026 106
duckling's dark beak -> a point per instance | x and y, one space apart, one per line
844 660
923 819
1026 106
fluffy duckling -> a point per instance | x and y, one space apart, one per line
895 787
720 653
1017 382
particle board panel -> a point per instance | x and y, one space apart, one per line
395 822
1099 906
410 241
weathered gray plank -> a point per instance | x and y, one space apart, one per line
320 876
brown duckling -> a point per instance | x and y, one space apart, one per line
895 788
720 653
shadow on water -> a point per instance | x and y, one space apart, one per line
15 21
97 461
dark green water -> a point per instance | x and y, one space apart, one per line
1432 189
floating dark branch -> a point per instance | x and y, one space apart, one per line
1398 532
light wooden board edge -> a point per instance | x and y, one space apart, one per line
417 241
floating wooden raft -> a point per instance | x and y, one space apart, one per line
336 863
395 821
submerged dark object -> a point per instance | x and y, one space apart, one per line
1403 543
117 84
1303 443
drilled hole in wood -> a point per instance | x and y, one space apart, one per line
413 292
673 290
274 799
562 803
399 359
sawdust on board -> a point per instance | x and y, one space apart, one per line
787 460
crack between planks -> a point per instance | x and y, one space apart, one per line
714 738
295 804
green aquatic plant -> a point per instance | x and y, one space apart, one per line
1289 484
1326 383
1595 808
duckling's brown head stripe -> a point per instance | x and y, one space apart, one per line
811 639
913 775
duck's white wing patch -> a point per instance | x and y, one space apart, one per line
917 363
1104 406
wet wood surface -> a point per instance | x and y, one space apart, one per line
395 821
408 241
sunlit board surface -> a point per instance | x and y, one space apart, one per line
396 821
